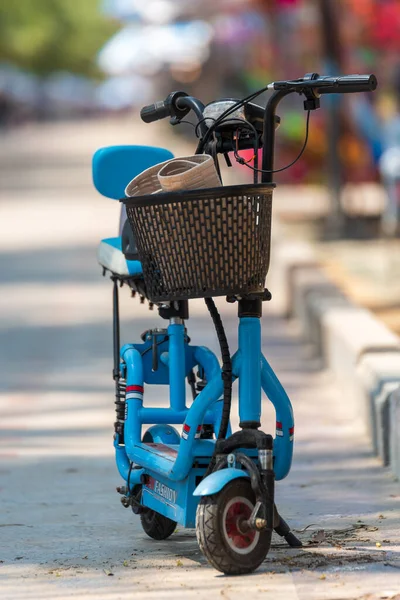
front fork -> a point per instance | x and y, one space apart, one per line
255 374
262 477
265 515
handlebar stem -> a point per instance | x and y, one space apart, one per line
269 134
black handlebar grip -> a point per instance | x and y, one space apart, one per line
155 112
346 84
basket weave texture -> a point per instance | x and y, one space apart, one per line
204 242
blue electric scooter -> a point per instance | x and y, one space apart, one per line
201 244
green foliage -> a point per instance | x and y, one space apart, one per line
44 36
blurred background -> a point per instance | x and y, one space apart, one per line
63 60
73 77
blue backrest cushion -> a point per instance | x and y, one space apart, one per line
113 167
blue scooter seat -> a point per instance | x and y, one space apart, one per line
111 257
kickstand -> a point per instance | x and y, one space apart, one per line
283 529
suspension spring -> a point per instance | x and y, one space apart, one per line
120 394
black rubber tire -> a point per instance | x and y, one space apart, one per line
211 538
157 526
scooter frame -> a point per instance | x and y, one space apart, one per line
170 472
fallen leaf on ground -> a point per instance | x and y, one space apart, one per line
318 537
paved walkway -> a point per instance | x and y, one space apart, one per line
63 532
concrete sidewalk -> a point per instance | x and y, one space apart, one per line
63 532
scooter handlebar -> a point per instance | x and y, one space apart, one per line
155 112
341 84
345 84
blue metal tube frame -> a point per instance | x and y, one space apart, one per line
251 380
162 415
134 369
176 353
255 373
124 465
283 443
138 452
178 469
248 373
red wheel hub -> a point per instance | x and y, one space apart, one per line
236 514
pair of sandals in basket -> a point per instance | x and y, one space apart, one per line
186 173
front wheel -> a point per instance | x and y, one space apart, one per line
224 542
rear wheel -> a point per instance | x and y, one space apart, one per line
222 537
157 526
154 524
